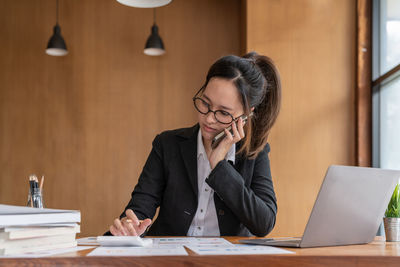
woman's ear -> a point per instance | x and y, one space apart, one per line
252 109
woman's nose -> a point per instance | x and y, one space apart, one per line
210 118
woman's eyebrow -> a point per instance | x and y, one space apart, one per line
223 107
207 98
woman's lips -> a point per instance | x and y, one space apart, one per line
209 129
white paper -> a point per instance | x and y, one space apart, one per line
191 241
124 241
35 227
21 215
237 250
165 242
10 209
115 241
88 241
47 253
139 251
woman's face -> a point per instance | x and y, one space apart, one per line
220 94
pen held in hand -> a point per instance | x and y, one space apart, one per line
130 221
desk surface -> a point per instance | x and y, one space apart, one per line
376 253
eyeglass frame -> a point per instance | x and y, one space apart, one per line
210 110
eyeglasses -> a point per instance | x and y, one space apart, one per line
203 107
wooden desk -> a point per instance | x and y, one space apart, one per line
377 253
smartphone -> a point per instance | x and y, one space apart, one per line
218 138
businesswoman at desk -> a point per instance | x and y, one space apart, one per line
213 189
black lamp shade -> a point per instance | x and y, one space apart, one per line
56 45
154 45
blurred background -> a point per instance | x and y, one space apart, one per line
87 120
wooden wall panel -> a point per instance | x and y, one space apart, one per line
364 84
314 45
87 120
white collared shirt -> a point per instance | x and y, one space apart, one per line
205 221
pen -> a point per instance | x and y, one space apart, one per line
35 185
41 183
31 183
35 197
32 186
129 221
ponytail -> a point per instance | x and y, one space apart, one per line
266 112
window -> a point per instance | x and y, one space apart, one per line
386 86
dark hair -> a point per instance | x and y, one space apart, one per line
258 82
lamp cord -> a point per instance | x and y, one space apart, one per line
57 12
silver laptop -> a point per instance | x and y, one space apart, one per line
349 208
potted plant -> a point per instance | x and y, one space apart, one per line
392 217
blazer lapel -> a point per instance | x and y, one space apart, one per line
238 157
189 155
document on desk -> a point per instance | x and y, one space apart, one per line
237 250
47 253
139 251
191 241
163 247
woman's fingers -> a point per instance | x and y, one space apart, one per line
237 129
132 216
240 128
127 223
114 231
119 227
133 225
143 225
229 136
237 132
236 136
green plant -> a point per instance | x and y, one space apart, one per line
393 209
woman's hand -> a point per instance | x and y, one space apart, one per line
129 225
219 153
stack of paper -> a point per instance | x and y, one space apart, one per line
25 229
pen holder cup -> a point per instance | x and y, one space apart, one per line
35 198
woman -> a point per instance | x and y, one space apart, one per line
205 191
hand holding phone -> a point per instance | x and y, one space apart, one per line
218 138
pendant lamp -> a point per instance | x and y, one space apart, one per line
145 3
56 45
154 45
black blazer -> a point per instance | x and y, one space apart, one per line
244 195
